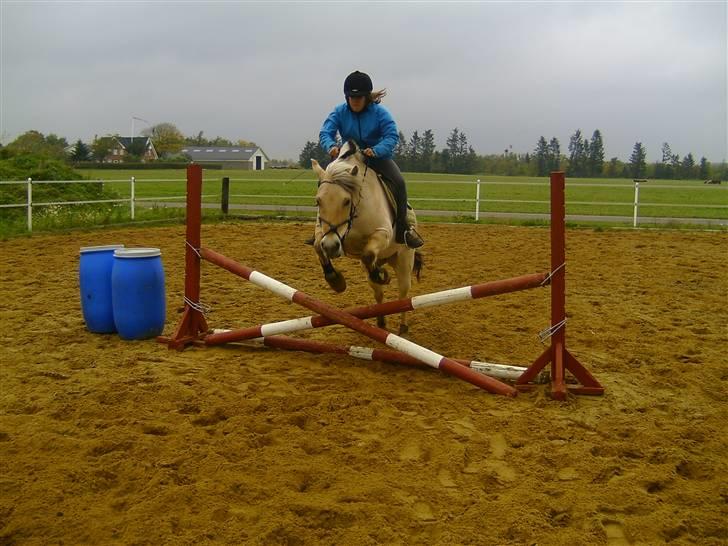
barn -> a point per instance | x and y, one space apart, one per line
230 157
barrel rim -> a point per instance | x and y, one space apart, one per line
99 248
137 253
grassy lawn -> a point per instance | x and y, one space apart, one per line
610 197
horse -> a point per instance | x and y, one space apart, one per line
355 219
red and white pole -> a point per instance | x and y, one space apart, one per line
472 292
341 317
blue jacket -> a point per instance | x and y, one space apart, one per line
374 128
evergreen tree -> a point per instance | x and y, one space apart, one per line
688 166
81 152
704 171
596 154
554 154
664 168
542 157
576 155
414 152
400 152
637 163
427 151
310 151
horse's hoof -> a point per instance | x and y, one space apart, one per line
379 276
403 329
336 281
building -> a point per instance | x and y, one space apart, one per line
230 157
120 149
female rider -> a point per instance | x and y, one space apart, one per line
364 120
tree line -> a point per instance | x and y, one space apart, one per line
585 159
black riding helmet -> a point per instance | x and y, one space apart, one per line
357 84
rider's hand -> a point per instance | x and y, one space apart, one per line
334 152
369 152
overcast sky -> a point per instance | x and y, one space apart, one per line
505 73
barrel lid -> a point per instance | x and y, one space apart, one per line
99 248
137 253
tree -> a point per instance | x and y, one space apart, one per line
81 152
688 166
400 152
168 140
554 155
414 152
664 168
577 155
310 151
427 149
542 157
101 147
637 163
704 170
34 142
596 154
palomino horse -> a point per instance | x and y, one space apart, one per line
355 220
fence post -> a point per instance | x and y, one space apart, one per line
30 205
636 202
131 199
477 201
225 195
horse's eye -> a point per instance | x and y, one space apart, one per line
347 201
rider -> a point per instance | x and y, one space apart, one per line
364 120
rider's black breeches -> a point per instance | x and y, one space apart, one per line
394 179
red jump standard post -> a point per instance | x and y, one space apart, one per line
557 354
193 322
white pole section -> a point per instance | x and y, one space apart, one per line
477 201
131 199
636 202
30 205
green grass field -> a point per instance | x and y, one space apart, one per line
604 197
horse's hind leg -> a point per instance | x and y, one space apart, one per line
403 262
379 298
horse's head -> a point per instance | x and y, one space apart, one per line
336 198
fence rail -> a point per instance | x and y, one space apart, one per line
476 212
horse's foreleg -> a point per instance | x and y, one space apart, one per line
403 262
377 242
379 297
335 279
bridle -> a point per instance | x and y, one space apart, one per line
334 228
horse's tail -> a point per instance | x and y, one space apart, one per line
417 266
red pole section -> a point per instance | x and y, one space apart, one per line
476 291
396 342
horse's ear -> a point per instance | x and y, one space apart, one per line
317 169
354 170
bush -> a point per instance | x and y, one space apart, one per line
22 167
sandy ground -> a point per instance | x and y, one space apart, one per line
111 442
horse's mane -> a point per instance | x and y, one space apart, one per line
339 170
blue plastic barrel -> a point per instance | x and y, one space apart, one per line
137 290
94 278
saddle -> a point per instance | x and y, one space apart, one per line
385 183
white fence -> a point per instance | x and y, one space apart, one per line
476 212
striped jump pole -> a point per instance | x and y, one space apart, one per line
502 372
431 358
476 291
